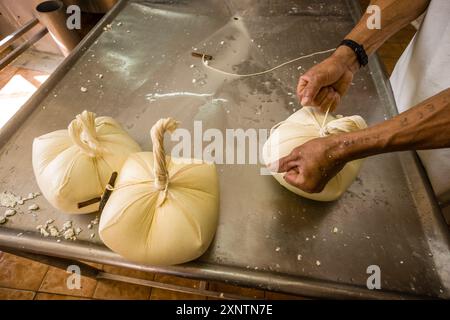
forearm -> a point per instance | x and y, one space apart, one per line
425 126
394 15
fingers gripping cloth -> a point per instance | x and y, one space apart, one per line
306 124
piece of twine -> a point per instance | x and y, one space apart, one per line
160 172
323 129
339 125
322 126
205 63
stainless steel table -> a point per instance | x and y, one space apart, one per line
388 217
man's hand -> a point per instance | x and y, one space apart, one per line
310 166
325 84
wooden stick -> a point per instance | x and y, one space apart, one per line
200 55
107 192
88 202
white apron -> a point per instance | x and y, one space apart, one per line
421 72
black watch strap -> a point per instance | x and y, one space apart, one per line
361 54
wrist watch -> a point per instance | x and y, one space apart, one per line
358 49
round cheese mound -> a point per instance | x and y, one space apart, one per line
163 210
74 166
306 124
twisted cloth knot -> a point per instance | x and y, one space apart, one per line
82 131
323 132
341 125
157 132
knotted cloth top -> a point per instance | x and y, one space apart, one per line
83 133
157 132
324 128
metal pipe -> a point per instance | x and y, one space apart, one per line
6 41
20 49
53 16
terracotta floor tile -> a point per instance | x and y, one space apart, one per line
281 296
20 273
51 296
55 282
116 290
162 294
93 264
191 283
14 294
214 298
128 272
240 291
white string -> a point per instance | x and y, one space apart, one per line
325 119
266 71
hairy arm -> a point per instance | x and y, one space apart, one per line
425 126
395 15
325 84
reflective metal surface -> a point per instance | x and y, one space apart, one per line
267 236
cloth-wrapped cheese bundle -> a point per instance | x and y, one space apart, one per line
74 166
306 124
163 210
